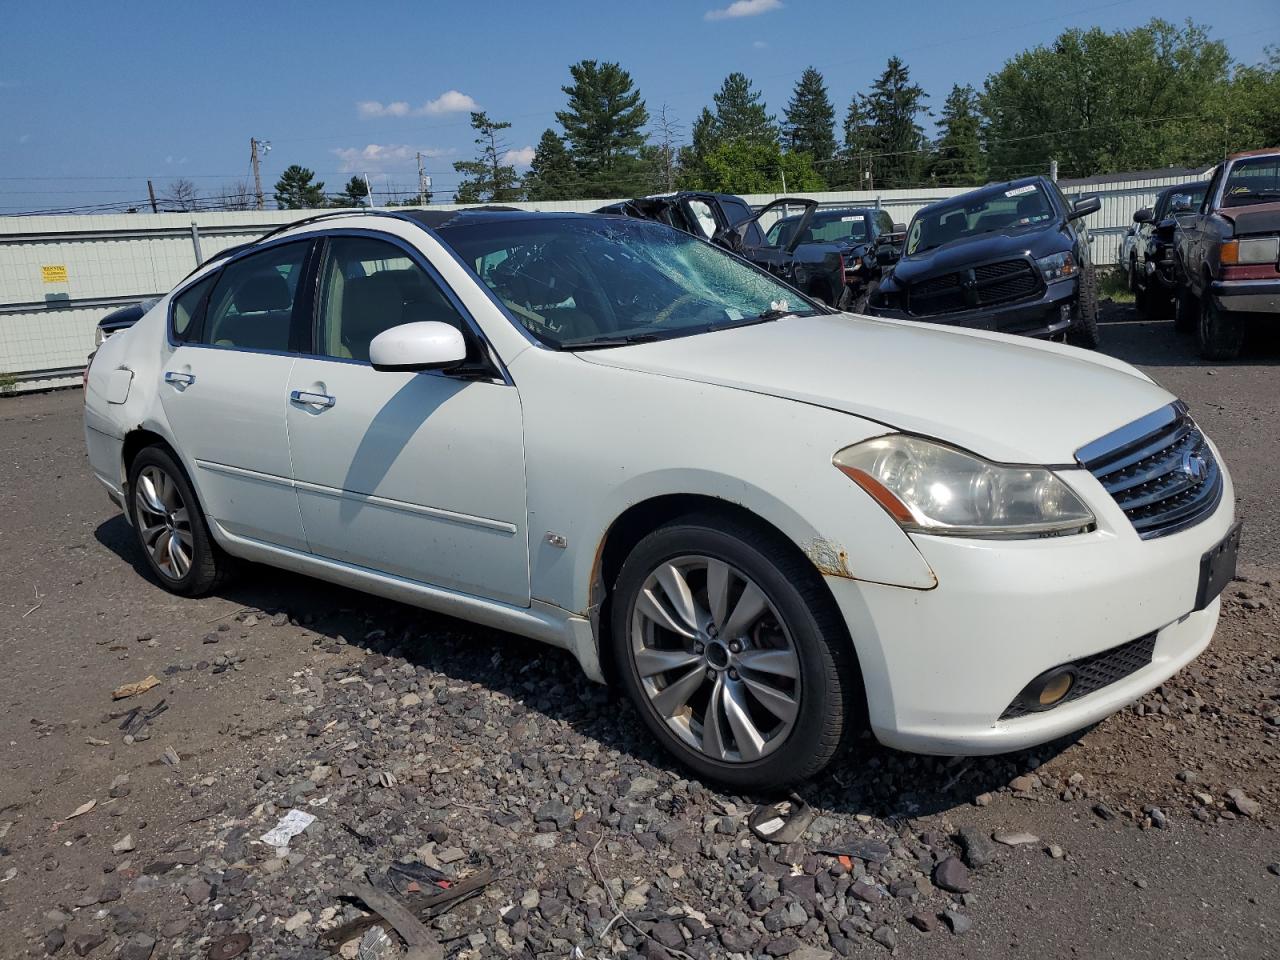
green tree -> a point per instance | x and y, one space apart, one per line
740 114
894 135
551 175
957 154
604 125
810 117
1101 102
746 166
854 169
354 194
692 159
1249 107
297 189
488 179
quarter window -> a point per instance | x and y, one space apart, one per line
186 310
368 286
252 305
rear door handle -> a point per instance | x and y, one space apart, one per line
182 379
312 399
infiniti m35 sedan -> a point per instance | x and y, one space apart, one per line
771 523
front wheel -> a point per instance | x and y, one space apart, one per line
1084 332
733 652
170 527
1221 334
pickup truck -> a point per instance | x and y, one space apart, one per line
1149 262
815 269
859 232
1228 253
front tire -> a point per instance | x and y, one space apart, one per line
1221 334
171 529
1085 331
733 652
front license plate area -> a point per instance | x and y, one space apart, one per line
1218 567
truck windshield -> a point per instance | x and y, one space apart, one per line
587 282
826 226
1014 208
1252 180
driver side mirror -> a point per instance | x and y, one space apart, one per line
1143 215
1181 203
887 254
899 228
426 345
1083 207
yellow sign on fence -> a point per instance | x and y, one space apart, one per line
54 273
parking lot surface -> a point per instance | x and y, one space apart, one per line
129 827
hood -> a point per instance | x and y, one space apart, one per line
1009 399
1254 218
967 251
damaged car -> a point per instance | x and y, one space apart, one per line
859 232
1009 257
771 524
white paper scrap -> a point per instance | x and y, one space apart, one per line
290 825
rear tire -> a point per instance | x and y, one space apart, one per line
789 669
1186 311
170 527
1085 333
1221 334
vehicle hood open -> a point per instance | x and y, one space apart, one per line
1008 399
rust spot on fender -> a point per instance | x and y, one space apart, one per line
829 558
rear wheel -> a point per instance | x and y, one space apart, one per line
733 653
170 527
1221 334
1186 311
1084 333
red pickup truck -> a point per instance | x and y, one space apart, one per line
1228 253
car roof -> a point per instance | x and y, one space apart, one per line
1264 152
988 189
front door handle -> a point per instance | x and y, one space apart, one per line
312 399
181 379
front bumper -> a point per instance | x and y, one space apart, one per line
942 665
1048 315
1246 296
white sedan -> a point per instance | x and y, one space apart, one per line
771 523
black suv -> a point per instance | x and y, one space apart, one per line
1010 257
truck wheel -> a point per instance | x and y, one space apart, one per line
1186 311
1084 332
732 651
1221 334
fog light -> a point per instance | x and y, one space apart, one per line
1055 687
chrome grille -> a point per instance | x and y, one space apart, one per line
1097 671
1159 469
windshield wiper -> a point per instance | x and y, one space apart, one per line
618 340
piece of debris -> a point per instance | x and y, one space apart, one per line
1243 804
864 848
376 944
781 822
421 942
135 688
82 809
1014 838
170 757
230 947
123 845
290 825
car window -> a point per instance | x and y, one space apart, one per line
571 280
185 325
836 226
1210 190
368 286
703 218
886 222
1252 180
780 233
736 211
1015 208
252 304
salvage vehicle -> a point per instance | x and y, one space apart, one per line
122 318
858 231
1149 262
1010 257
769 522
814 268
1227 253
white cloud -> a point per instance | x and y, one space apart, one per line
519 158
451 101
743 8
760 44
378 157
24 138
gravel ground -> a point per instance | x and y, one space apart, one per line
412 738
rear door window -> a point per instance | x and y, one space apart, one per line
252 305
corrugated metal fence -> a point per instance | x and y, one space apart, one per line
59 275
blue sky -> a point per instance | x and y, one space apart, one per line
96 97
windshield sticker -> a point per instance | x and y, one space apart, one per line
849 219
1019 191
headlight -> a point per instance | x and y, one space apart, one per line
1057 266
1255 250
932 488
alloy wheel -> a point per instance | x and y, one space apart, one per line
715 660
164 522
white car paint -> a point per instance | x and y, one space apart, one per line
494 505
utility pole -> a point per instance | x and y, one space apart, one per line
254 144
368 191
1053 170
151 192
424 183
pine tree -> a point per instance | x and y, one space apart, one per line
740 114
604 126
856 148
957 159
296 191
810 117
551 175
896 137
488 179
354 194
